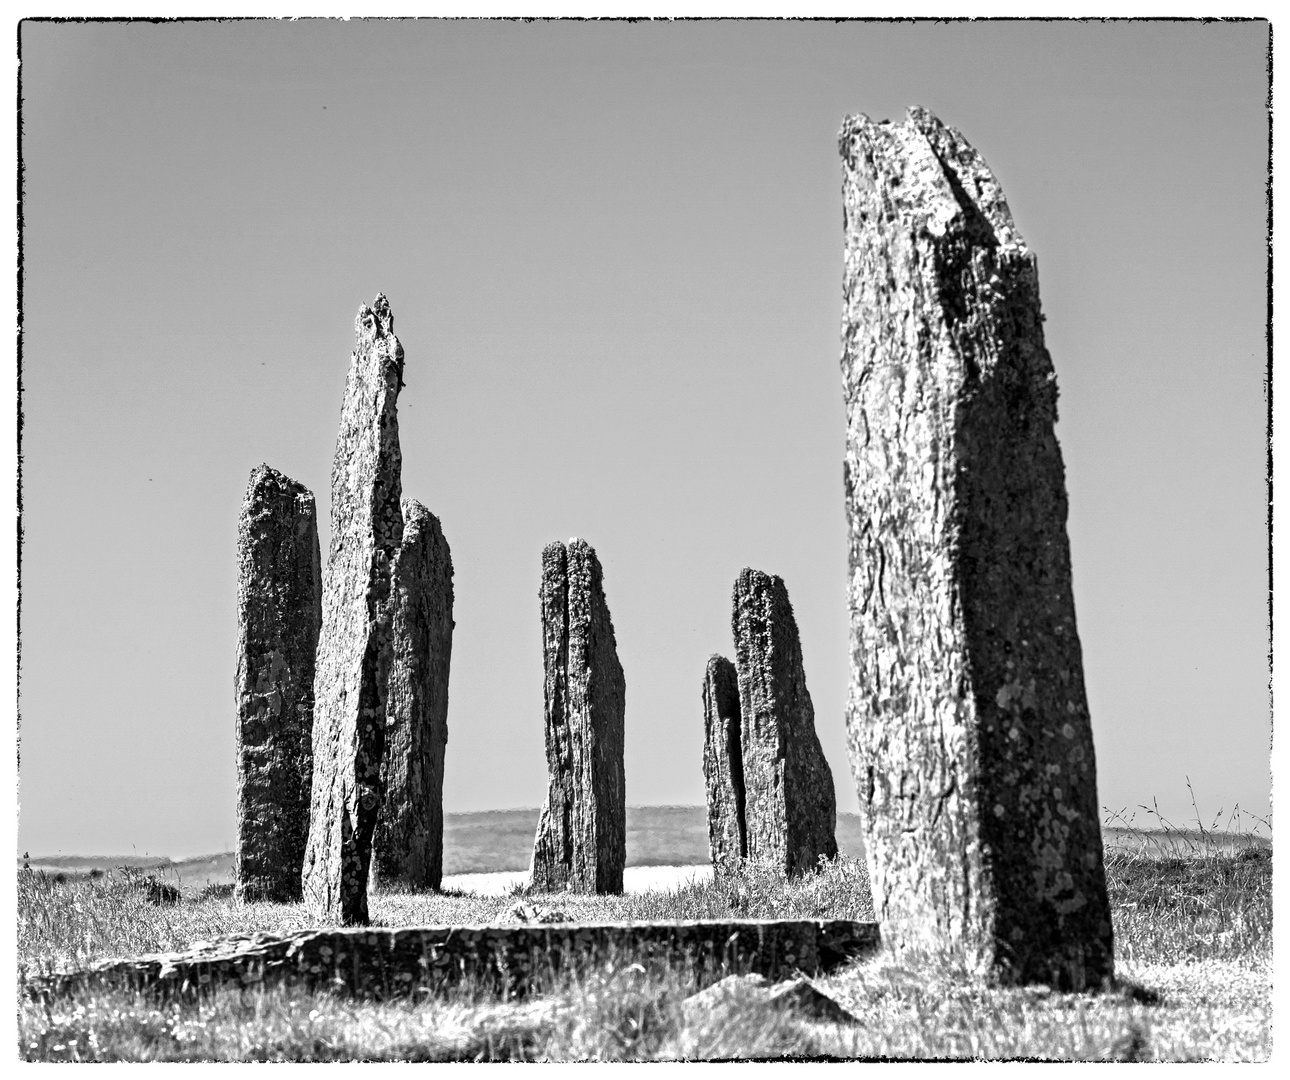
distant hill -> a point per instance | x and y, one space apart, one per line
656 836
478 843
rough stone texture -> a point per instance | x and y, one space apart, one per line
790 806
354 649
581 841
968 725
382 962
279 611
408 847
735 994
723 767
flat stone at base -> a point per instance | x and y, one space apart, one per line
799 996
381 962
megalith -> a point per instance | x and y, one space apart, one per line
581 842
279 610
408 847
968 725
723 766
354 648
789 803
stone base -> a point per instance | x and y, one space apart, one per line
381 963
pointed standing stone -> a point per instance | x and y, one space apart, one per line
723 767
968 725
581 842
279 598
354 649
408 847
790 805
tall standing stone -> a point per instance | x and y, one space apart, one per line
581 842
968 725
408 847
279 610
790 804
354 649
723 766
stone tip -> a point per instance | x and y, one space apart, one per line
266 474
716 663
376 321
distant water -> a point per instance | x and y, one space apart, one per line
502 840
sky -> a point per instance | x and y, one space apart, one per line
614 257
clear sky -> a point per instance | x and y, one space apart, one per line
613 252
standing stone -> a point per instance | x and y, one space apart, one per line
279 610
968 725
581 842
790 806
354 649
723 767
408 847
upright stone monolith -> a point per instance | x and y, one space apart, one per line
408 847
790 804
279 610
968 724
723 767
354 649
581 842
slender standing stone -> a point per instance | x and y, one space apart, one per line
354 649
408 847
790 805
968 726
581 842
723 766
279 610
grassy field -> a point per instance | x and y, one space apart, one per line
1192 916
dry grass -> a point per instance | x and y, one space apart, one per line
1193 929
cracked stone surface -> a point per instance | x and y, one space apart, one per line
581 842
380 962
408 847
790 804
279 611
723 769
354 648
968 723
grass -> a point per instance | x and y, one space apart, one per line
1192 928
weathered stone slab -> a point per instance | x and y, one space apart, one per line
382 962
354 648
581 842
790 805
408 847
968 724
279 611
723 767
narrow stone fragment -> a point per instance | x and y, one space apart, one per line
968 726
279 610
408 847
581 842
354 649
723 767
790 805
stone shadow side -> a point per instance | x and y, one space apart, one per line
279 612
408 846
790 804
581 841
723 767
968 725
354 648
